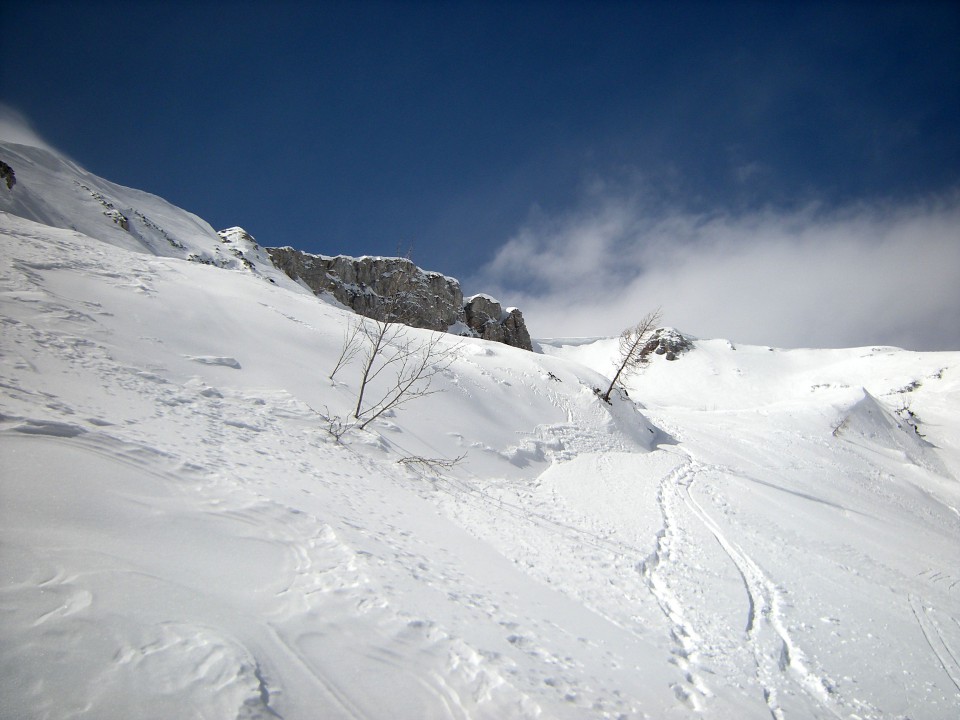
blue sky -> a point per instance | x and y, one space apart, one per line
465 130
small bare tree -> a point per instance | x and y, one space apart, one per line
336 425
635 349
411 363
403 362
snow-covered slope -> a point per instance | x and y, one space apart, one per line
810 512
52 190
181 535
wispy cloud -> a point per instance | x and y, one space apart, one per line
882 273
15 128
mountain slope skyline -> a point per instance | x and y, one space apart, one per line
849 278
466 132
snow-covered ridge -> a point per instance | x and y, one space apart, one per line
54 191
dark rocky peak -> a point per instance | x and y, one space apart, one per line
395 289
668 342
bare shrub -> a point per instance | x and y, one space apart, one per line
399 362
431 466
411 363
635 349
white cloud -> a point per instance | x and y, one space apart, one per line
15 128
863 275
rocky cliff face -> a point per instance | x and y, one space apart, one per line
487 319
396 289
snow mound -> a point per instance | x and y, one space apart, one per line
870 425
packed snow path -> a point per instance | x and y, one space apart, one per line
180 535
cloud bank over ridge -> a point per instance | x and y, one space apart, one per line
867 274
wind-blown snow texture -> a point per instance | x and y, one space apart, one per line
762 535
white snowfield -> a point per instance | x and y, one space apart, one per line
756 533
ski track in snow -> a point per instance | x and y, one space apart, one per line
773 648
682 632
935 640
941 577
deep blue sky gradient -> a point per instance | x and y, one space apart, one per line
364 127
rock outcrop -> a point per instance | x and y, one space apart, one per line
397 290
668 342
7 175
488 320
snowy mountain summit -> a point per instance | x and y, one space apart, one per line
53 191
209 508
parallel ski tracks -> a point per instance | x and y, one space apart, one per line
774 650
682 631
935 640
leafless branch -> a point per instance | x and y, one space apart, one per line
350 348
431 465
634 349
336 425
